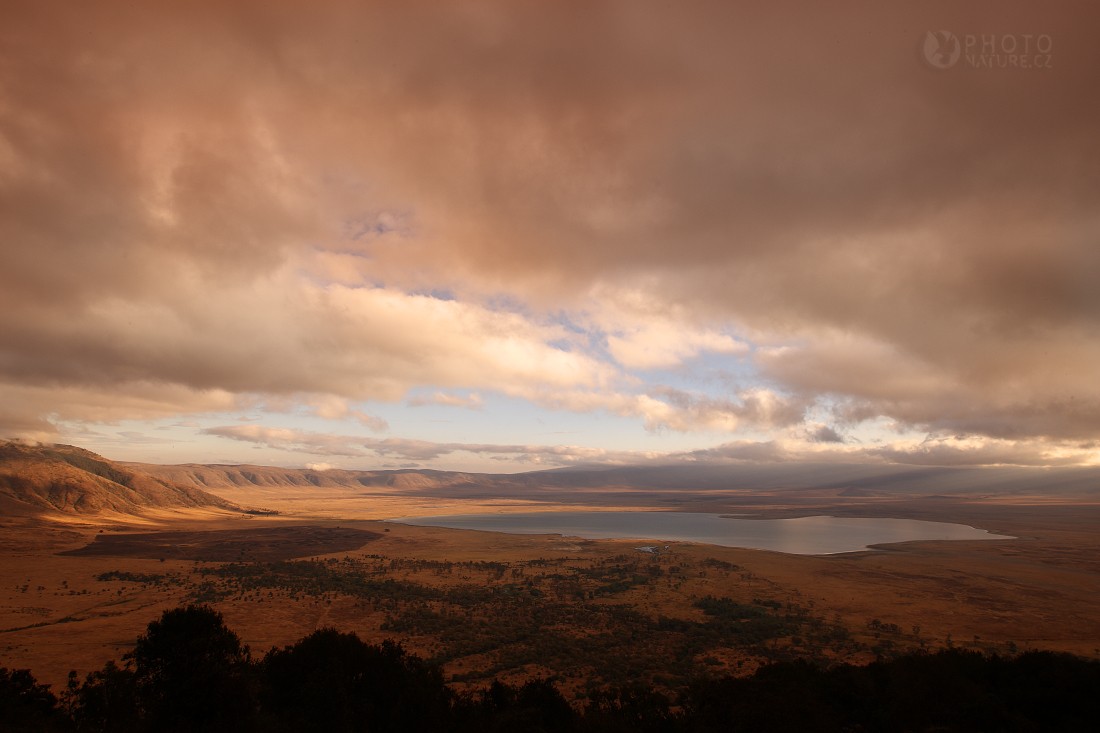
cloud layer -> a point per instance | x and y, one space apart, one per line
207 206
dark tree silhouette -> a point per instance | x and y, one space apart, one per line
333 681
107 701
26 705
535 706
188 672
633 709
953 690
192 673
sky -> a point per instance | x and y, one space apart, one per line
506 236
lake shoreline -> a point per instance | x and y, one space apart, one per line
807 535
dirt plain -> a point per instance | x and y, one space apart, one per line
75 593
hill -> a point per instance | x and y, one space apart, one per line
227 476
67 480
652 483
37 480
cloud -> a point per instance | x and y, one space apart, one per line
550 455
416 450
955 450
1034 389
206 206
825 434
759 407
283 336
331 407
42 406
666 345
740 451
964 450
471 401
647 333
300 441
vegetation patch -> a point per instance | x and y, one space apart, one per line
261 543
579 619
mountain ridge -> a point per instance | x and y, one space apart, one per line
71 481
60 479
832 477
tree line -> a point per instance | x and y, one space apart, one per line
190 672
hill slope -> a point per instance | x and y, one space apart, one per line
216 477
646 482
63 479
37 480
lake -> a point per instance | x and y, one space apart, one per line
801 536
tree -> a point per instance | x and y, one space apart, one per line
107 701
192 673
534 707
333 681
631 709
26 705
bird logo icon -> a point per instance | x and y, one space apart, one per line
941 49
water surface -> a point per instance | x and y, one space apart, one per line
801 536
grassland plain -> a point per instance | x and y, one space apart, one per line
490 605
79 580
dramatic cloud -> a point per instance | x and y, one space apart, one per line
299 441
334 408
965 451
739 221
824 434
421 450
932 451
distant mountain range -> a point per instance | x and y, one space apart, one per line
852 479
64 479
238 476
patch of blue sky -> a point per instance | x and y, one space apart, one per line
590 340
502 302
500 419
436 293
882 430
508 420
711 373
168 440
829 410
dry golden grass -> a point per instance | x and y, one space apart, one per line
1038 591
